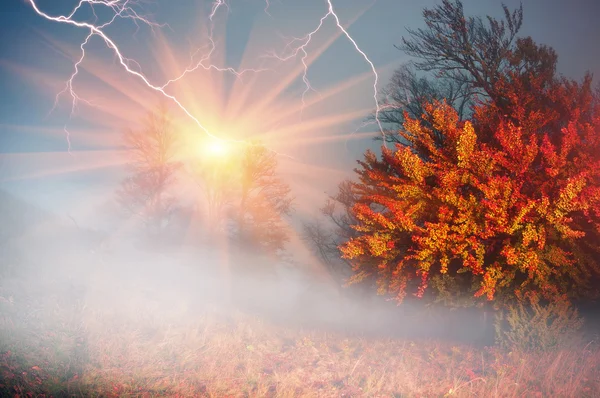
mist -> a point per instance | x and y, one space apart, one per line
51 262
86 312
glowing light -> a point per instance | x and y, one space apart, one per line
201 64
217 148
123 9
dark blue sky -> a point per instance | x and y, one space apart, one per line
32 65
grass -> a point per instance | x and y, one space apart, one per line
57 344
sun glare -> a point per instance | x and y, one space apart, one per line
266 105
217 148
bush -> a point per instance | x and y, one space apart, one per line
536 326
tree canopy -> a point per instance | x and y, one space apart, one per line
264 199
147 191
502 204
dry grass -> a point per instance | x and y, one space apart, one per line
58 346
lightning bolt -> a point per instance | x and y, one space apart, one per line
215 7
376 79
305 41
382 108
74 96
120 11
200 64
124 9
266 9
294 51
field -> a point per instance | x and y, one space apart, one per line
163 330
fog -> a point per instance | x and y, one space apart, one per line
57 270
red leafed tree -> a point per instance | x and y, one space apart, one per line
509 206
503 205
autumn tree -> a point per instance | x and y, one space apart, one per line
457 60
503 205
146 191
263 200
409 91
245 196
514 221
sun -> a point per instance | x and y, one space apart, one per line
217 148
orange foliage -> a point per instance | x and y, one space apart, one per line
512 200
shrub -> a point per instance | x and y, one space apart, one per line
536 326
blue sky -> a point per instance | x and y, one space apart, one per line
34 68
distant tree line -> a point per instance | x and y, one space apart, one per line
243 195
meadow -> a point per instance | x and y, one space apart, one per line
160 325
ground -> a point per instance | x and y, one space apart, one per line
157 330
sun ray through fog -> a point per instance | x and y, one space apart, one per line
243 88
285 82
315 125
97 137
33 165
263 104
109 80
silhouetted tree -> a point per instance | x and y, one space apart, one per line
457 59
408 93
465 50
332 228
145 193
245 196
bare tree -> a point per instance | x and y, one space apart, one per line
145 192
465 50
408 92
457 59
325 234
